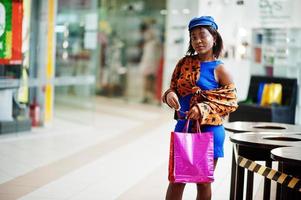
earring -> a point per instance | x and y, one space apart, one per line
214 43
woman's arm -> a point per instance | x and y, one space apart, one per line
222 75
170 96
175 76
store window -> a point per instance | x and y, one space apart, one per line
131 55
76 57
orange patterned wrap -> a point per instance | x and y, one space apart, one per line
213 105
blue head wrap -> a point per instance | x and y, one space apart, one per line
202 21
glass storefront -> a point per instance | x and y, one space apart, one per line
109 48
76 58
131 55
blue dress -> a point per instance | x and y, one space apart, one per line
205 82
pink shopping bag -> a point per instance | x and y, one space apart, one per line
191 157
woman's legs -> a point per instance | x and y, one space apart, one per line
175 191
204 189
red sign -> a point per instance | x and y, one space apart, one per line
11 32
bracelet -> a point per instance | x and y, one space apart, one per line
165 95
164 99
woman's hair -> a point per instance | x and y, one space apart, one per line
217 46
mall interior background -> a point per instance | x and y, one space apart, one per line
76 50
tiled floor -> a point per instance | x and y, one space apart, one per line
121 153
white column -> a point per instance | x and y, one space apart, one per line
179 14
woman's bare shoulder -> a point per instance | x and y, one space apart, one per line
223 75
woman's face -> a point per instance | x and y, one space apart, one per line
201 40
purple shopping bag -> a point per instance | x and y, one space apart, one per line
191 157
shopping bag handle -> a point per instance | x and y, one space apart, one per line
186 127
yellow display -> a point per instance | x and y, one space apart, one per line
272 93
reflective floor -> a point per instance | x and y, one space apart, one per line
121 152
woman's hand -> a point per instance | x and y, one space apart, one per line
172 100
194 113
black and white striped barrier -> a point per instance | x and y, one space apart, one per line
279 177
